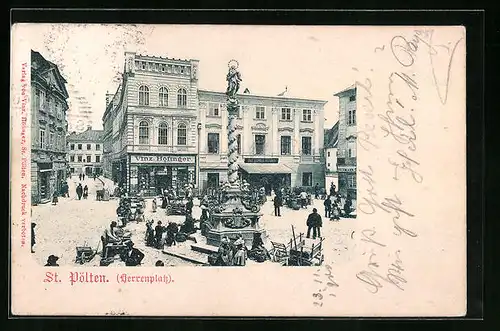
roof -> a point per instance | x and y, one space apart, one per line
45 66
261 168
269 97
347 89
332 136
86 136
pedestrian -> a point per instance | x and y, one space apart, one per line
95 175
85 191
79 191
33 241
348 206
150 234
189 206
52 261
159 229
154 205
303 199
328 206
316 191
278 202
159 263
332 190
240 254
55 199
314 223
80 176
83 176
132 256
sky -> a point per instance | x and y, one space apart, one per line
313 62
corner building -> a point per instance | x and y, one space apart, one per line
280 140
150 124
48 129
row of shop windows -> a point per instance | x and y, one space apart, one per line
80 147
88 158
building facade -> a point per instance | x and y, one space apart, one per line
48 129
347 143
280 140
150 125
331 143
84 152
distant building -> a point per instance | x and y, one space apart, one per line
280 140
48 129
331 143
347 142
85 152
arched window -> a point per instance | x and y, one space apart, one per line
163 97
144 132
162 134
144 95
182 98
181 134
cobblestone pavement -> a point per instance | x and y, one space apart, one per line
72 222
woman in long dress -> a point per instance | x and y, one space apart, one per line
240 257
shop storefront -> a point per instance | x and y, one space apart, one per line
153 173
265 172
45 181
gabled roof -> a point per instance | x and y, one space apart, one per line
332 136
43 67
86 136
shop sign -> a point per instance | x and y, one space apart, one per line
261 160
346 168
163 159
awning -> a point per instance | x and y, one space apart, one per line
45 170
256 168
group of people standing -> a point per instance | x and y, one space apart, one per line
82 191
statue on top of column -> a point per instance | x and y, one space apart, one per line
233 78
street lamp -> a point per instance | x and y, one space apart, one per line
198 159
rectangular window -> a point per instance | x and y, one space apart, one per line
286 145
97 147
307 178
306 146
72 170
306 115
351 181
80 146
328 165
328 154
98 158
260 143
72 158
238 141
214 109
89 158
181 135
349 153
213 143
162 134
72 147
260 112
351 117
89 147
352 98
286 114
42 139
79 158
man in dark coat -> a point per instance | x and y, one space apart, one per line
132 256
278 202
332 190
159 229
328 206
348 206
316 191
79 191
314 222
52 261
189 206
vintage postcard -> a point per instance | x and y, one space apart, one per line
238 170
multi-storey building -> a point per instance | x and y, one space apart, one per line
150 124
48 128
280 140
347 142
85 152
331 142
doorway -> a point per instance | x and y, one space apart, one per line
213 179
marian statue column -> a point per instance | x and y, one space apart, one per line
233 78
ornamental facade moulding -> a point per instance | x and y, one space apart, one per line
286 128
306 130
260 127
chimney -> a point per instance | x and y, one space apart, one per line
89 127
109 98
